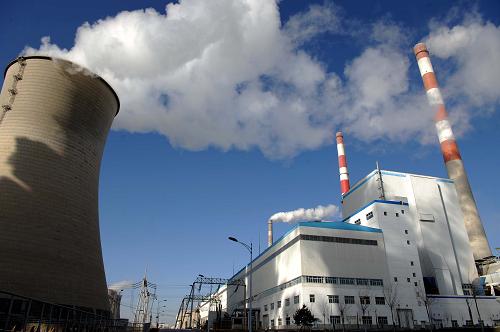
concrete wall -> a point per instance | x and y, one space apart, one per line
51 143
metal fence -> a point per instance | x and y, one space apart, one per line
19 313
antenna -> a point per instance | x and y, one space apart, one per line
380 182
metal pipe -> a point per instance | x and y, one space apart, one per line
452 157
344 174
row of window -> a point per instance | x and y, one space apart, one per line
369 215
379 300
336 320
343 281
366 320
397 213
296 300
348 299
320 280
337 239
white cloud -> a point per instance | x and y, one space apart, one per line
474 47
319 19
226 74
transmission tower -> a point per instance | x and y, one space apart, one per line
144 309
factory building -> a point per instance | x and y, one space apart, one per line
54 121
400 252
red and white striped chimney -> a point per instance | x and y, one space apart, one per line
451 155
344 174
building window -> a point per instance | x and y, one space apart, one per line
415 283
380 300
381 320
396 279
347 281
330 280
279 304
454 323
287 302
349 299
414 274
358 222
411 263
312 298
406 231
376 282
468 323
265 307
335 239
367 320
364 299
287 320
334 319
333 299
408 279
397 214
296 299
272 322
280 322
369 215
272 306
407 241
385 213
314 279
363 282
402 211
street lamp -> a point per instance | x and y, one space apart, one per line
158 312
249 248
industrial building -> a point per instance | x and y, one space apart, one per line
410 250
54 121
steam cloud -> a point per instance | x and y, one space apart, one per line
121 285
227 74
318 213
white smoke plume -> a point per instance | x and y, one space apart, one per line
228 74
318 213
119 285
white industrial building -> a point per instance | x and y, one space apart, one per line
402 243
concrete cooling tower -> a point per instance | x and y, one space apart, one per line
54 121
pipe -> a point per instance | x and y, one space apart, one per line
344 174
269 233
452 157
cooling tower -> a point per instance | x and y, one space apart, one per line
54 121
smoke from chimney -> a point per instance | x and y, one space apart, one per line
318 213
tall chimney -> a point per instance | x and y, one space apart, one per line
451 155
269 233
344 175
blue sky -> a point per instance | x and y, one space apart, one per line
181 173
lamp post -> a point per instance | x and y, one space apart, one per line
250 249
158 312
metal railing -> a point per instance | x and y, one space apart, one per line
20 313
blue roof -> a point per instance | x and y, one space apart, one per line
339 225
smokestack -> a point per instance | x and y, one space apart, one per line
344 175
451 155
269 233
